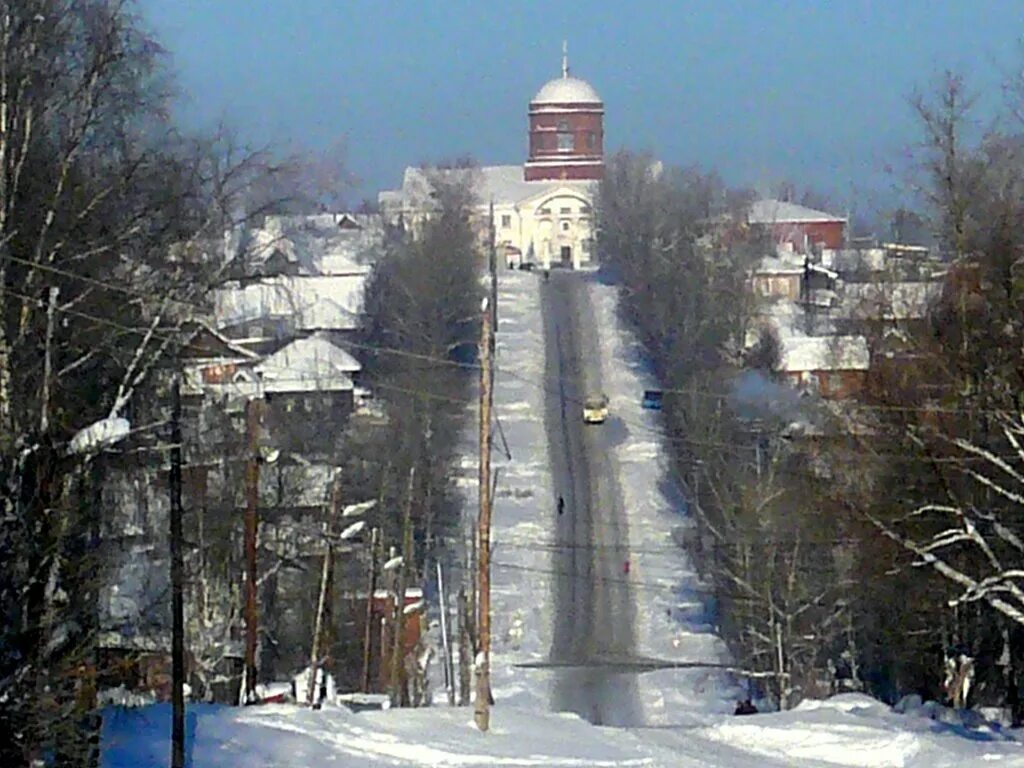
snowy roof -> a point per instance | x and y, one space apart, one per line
502 184
855 259
309 353
321 302
230 347
566 90
824 353
780 212
308 364
780 265
889 301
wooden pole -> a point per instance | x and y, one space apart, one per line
398 693
465 649
481 714
321 605
253 417
177 586
372 588
449 676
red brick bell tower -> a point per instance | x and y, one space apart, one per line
566 130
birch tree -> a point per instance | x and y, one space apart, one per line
109 220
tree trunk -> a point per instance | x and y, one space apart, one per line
465 649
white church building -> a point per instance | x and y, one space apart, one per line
543 209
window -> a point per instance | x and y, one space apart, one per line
591 141
545 211
565 226
565 210
506 221
565 138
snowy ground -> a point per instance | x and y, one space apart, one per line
688 713
524 505
846 731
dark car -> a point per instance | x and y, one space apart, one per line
652 399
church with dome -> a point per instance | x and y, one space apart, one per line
543 209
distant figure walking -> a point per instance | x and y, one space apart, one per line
745 707
625 567
561 505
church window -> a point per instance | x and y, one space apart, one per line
590 140
545 211
565 210
506 221
565 226
565 138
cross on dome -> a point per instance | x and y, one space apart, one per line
566 89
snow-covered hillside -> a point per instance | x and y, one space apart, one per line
687 713
523 530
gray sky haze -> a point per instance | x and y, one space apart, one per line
814 92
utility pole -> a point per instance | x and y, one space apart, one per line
398 689
465 648
492 267
177 585
371 589
449 675
253 419
481 714
326 576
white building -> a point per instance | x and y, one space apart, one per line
542 209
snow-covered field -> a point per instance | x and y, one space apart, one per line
687 713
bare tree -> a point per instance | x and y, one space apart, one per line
118 217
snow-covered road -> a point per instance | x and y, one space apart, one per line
594 603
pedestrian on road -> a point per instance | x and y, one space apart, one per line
625 567
561 505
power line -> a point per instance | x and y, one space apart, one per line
703 392
100 283
670 438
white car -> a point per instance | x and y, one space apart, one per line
595 409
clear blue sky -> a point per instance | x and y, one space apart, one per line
760 91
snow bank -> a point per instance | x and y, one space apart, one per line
523 524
